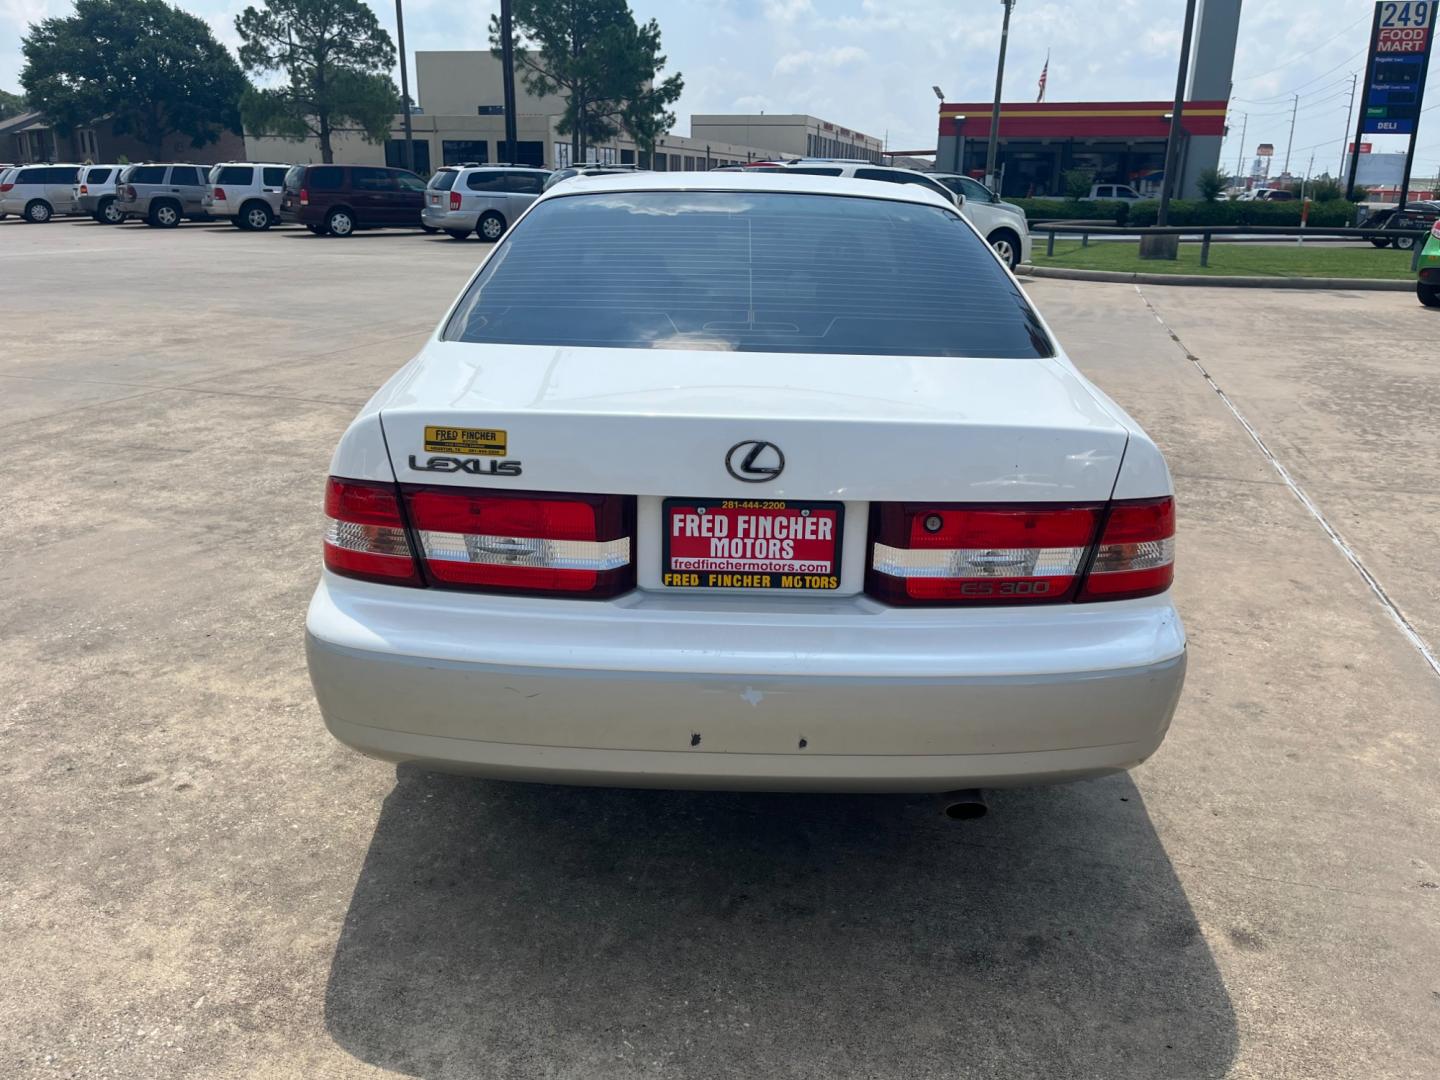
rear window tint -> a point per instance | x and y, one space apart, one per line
233 174
98 176
325 178
273 175
444 180
147 174
749 272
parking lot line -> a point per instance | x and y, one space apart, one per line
1391 608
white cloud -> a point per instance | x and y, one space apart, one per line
805 60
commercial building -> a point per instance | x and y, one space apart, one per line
790 134
462 118
1116 141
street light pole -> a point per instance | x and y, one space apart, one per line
1172 143
994 148
404 87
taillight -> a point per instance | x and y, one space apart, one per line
1434 229
304 197
454 200
958 555
219 193
364 533
1136 553
978 555
529 542
129 191
6 187
84 190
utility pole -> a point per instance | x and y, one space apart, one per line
1349 111
1240 157
1172 142
1291 142
404 87
507 61
994 147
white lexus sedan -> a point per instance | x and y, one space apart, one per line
745 481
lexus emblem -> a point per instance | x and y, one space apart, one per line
754 462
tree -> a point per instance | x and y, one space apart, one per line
1211 183
11 105
603 62
151 68
1326 188
336 60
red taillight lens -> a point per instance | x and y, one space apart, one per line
576 545
304 197
219 193
129 191
978 555
84 189
454 200
1435 230
6 187
365 535
1136 554
958 555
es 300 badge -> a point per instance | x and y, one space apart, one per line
473 444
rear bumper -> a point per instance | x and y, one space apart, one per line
851 696
89 204
439 218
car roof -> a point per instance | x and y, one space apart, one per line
784 182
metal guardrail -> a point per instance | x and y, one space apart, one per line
1205 232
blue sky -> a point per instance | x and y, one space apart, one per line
870 64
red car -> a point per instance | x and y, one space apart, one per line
336 200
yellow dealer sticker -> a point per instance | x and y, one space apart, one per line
464 440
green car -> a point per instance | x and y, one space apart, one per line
1428 287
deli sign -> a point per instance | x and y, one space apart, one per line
1395 74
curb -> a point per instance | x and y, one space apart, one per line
1362 284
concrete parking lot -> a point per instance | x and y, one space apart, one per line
197 881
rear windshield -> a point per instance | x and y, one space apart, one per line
97 176
294 177
443 180
750 272
232 174
147 174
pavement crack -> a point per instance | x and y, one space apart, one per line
1407 628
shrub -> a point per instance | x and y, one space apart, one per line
1107 210
1186 212
1077 183
1325 189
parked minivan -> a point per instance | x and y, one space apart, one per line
163 194
39 192
461 199
338 199
247 192
95 193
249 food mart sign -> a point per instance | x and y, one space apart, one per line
1399 54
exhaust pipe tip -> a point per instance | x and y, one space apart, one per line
966 805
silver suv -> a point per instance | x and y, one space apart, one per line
95 193
247 192
461 199
163 195
39 192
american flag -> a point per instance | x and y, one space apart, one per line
1044 76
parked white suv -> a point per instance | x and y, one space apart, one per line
1000 222
95 193
461 199
246 192
1122 192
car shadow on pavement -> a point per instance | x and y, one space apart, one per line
523 930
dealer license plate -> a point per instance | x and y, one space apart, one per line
751 544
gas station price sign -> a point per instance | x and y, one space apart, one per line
1395 77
